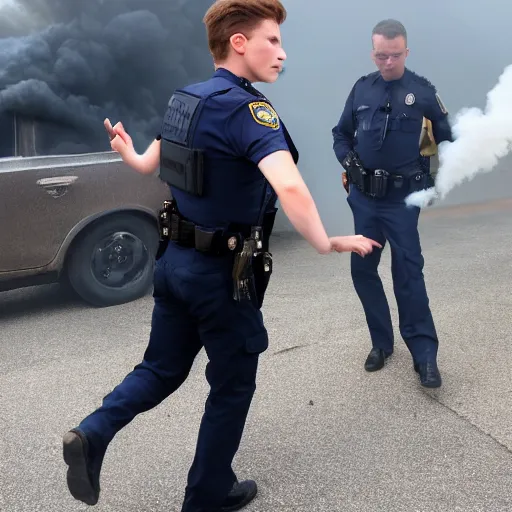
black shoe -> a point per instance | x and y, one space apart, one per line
240 496
429 374
375 360
83 476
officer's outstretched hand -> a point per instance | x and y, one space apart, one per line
120 141
354 243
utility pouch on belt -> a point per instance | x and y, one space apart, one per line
419 181
180 164
262 269
164 227
355 171
373 183
378 183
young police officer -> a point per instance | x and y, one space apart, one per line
377 142
226 154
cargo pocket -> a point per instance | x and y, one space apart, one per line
258 343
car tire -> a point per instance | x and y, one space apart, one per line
112 261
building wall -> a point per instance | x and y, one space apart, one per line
455 44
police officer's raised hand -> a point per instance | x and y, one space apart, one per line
120 141
354 243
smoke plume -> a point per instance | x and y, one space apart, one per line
481 139
70 63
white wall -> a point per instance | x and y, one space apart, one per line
460 46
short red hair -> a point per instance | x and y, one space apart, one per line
227 17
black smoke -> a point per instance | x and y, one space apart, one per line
68 64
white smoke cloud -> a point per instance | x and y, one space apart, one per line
481 139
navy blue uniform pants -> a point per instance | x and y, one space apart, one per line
391 220
193 309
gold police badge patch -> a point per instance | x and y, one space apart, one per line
264 114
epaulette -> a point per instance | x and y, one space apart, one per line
422 80
374 74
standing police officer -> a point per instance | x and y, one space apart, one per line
226 155
377 142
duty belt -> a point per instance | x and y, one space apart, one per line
376 182
252 263
174 227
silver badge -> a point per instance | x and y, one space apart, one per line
232 243
410 99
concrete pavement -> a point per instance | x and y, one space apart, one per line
323 435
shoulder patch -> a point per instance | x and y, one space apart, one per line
264 114
441 104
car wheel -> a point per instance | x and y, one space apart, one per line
112 262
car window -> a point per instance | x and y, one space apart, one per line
54 139
6 135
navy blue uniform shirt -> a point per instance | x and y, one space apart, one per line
382 121
237 128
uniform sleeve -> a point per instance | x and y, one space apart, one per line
254 130
343 132
438 115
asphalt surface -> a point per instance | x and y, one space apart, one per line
323 435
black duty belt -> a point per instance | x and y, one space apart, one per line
377 182
174 227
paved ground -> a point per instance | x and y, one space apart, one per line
323 435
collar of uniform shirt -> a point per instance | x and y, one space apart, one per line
241 81
238 80
403 80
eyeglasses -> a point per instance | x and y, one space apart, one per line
383 57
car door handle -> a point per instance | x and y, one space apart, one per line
57 186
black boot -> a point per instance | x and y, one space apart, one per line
240 496
83 476
429 374
375 360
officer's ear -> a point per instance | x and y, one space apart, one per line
238 43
